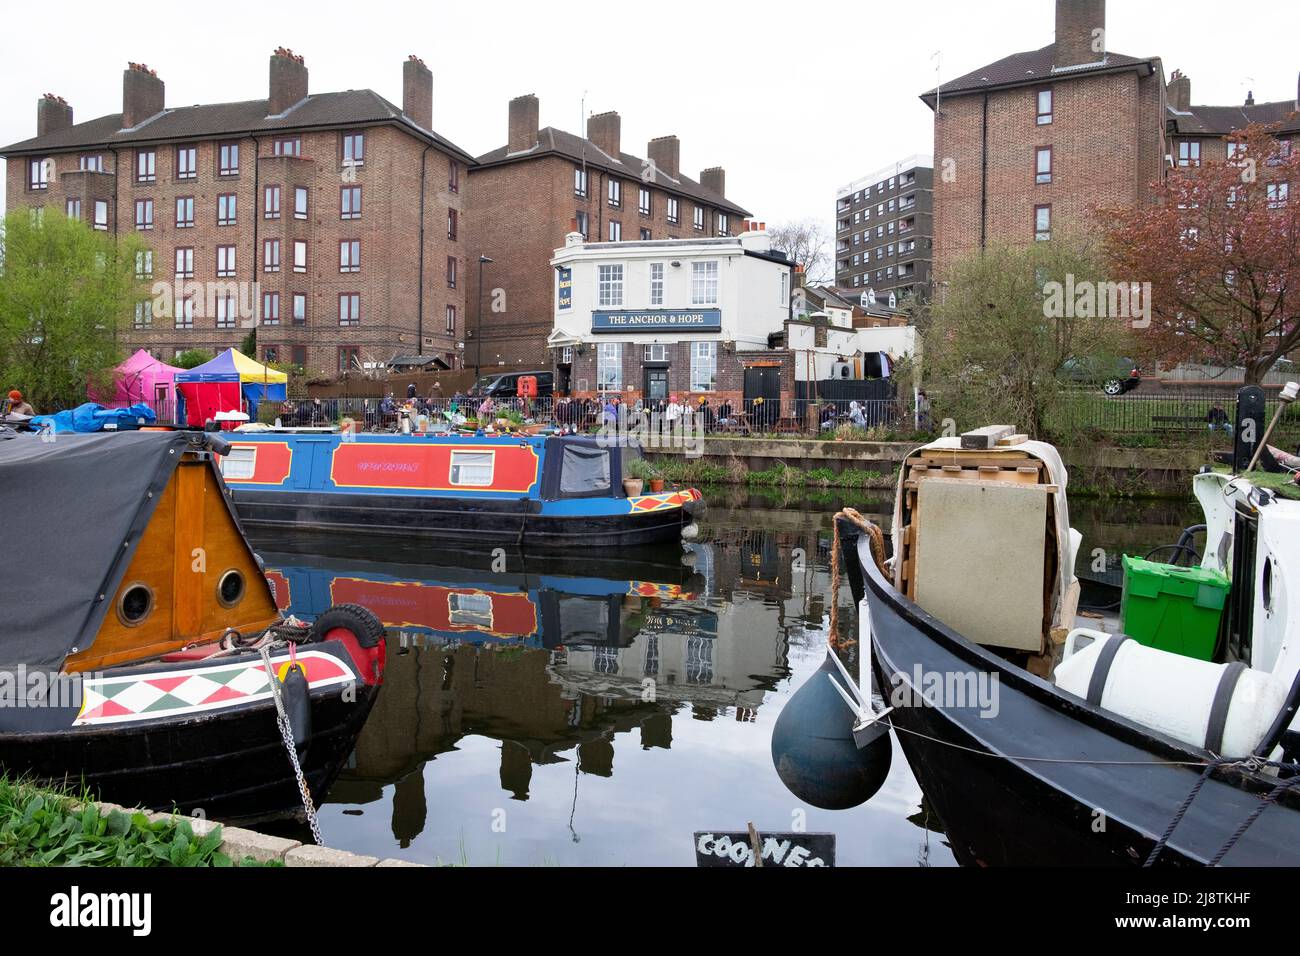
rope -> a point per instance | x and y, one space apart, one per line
1264 804
877 539
1181 812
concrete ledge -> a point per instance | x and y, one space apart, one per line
392 862
310 855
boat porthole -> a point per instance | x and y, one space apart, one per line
135 604
1268 585
230 589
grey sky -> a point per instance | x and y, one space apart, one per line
820 92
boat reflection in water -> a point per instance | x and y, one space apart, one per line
547 656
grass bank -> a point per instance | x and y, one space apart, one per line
694 471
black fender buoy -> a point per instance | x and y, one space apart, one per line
296 694
813 748
360 621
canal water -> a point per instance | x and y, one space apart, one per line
600 710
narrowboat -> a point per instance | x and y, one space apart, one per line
541 493
1092 747
144 656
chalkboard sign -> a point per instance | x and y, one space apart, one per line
714 848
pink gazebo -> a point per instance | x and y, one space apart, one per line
141 378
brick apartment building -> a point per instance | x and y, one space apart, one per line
1200 134
884 230
543 183
345 210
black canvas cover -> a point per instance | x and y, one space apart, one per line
74 510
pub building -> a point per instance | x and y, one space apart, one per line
691 318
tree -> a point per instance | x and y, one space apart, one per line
996 341
1221 249
805 242
65 291
192 358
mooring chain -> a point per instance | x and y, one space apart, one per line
286 734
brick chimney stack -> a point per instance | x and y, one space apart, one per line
1180 91
524 112
288 80
52 114
606 130
142 95
417 92
666 154
1080 32
714 180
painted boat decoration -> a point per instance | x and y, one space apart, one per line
138 658
540 493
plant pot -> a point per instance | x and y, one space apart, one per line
632 487
656 485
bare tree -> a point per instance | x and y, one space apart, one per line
806 242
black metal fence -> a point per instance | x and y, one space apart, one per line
1163 414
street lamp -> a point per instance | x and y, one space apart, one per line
478 333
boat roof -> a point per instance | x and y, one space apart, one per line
76 510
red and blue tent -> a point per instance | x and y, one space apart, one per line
231 382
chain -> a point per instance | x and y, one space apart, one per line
286 734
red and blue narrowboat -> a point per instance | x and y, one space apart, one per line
543 493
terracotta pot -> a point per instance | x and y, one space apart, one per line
656 485
632 487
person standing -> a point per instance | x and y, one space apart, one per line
17 406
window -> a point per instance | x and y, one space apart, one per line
656 353
453 177
609 365
1278 194
271 255
144 214
350 308
704 366
185 262
643 201
1045 103
724 224
609 285
349 357
584 472
187 162
615 230
271 354
472 468
38 173
74 209
226 312
704 283
185 313
785 295
146 166
354 149
92 164
300 255
674 210
270 308
451 272
1189 153
225 262
451 320
699 217
580 182
226 209
299 310
350 255
1042 223
184 212
300 202
452 222
350 202
228 159
271 202
645 234
299 354
615 189
144 314
291 146
144 264
583 223
656 283
1043 166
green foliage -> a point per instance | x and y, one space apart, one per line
40 827
641 468
248 345
65 292
993 354
192 358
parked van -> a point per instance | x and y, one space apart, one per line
506 384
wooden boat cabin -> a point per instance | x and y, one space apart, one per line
476 490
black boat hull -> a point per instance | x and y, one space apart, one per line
1044 778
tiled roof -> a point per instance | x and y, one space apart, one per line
320 110
1222 120
1030 68
556 142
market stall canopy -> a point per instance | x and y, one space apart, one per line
225 383
141 378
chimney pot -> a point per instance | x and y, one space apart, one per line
605 130
1080 32
1250 97
143 95
665 153
417 92
288 80
524 112
52 114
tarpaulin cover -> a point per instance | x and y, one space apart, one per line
138 379
78 507
222 384
92 418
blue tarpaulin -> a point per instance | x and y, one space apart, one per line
92 417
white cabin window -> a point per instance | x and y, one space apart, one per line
240 464
471 468
470 610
